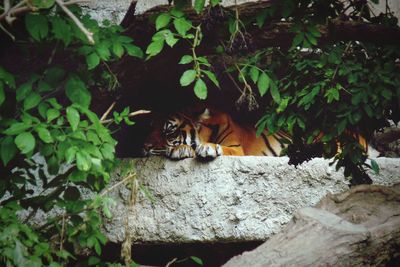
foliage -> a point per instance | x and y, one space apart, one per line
50 138
186 31
341 89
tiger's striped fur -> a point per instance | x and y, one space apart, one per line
212 134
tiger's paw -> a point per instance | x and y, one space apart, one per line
208 150
180 152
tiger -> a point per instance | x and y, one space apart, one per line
211 134
214 133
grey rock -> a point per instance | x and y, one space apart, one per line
228 199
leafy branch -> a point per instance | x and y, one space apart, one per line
25 6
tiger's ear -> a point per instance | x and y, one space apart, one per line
205 115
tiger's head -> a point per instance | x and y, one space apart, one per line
178 129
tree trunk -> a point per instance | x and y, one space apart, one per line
360 227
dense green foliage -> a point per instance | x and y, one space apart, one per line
51 138
338 88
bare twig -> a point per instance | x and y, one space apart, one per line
130 115
338 65
7 32
62 231
126 247
126 179
171 262
73 2
20 8
108 111
89 35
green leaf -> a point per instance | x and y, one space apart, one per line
199 5
53 102
182 26
78 176
176 12
155 48
196 260
43 3
25 142
301 123
32 100
124 39
332 94
70 154
162 21
97 247
298 39
93 261
133 50
52 114
186 59
61 30
283 105
7 149
73 118
311 39
92 60
23 91
42 108
83 161
314 31
7 77
76 91
187 77
212 77
263 83
17 128
103 50
200 89
170 39
108 151
118 49
254 74
375 166
275 93
386 94
214 2
36 25
44 134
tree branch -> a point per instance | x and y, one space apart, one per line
89 35
130 115
20 8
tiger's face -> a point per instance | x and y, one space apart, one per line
176 131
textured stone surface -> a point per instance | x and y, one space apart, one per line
228 199
113 11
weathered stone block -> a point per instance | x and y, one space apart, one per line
227 199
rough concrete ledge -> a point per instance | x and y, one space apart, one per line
225 200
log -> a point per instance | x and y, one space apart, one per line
360 227
273 33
